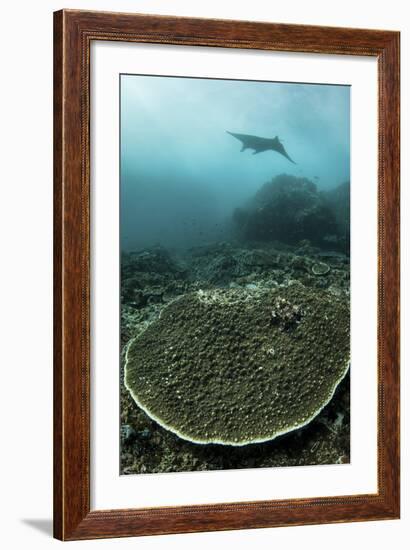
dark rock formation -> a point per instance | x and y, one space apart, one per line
289 209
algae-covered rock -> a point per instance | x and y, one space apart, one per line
240 366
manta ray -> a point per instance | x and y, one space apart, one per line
261 144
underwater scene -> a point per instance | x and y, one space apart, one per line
235 274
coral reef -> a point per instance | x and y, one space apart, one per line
320 268
235 366
289 209
148 447
154 450
147 275
338 200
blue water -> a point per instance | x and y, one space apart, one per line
182 174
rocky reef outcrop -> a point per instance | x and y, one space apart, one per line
289 209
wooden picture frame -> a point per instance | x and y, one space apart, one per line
74 32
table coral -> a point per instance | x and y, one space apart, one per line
222 366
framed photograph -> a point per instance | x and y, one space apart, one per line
226 275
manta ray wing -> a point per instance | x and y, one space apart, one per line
261 144
251 142
281 150
278 147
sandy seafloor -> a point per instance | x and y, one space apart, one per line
154 276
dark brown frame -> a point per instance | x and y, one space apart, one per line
73 33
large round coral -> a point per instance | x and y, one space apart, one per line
235 366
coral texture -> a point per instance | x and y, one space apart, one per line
238 366
320 268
